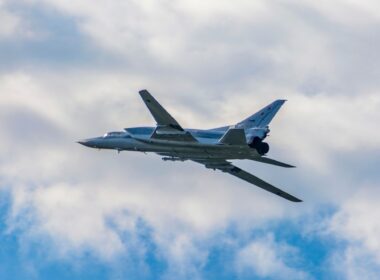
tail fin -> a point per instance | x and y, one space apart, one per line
263 117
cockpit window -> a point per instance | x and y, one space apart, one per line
113 134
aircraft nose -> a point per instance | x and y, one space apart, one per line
82 142
86 142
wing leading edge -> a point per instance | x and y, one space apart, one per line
228 167
167 127
161 116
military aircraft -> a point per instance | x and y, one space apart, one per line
211 148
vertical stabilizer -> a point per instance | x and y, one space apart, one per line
263 117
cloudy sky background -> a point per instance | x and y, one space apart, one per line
72 69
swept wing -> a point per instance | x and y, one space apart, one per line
167 127
228 167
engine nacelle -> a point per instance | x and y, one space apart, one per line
261 147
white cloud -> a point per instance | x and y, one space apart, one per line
9 21
354 263
357 224
324 124
357 220
268 259
14 26
61 207
349 12
288 43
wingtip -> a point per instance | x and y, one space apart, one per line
294 199
281 100
288 165
290 197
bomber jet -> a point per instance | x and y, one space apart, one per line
211 148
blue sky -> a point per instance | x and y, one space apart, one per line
71 70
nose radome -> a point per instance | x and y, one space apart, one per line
84 143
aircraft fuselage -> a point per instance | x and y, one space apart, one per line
206 147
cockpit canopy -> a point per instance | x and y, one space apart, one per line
114 134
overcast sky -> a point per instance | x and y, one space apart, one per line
72 69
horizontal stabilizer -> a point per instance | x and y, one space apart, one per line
273 162
234 136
